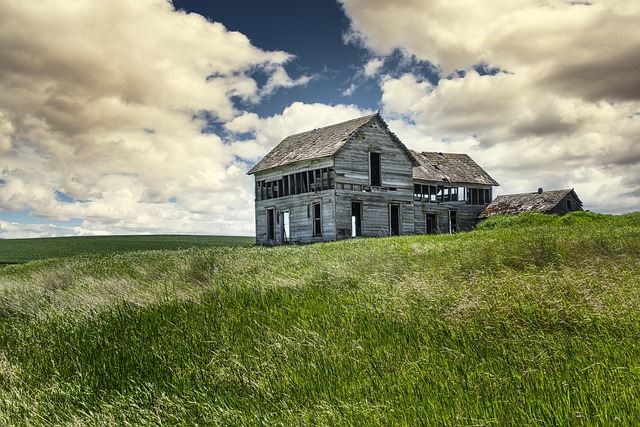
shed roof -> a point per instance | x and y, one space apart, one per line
449 167
313 144
527 202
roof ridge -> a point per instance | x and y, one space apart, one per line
292 148
528 193
332 125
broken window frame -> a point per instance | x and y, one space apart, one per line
310 181
425 193
449 194
478 196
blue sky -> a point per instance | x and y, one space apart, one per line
143 117
314 32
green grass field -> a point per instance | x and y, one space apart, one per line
528 321
16 251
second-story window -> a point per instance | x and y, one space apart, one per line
375 172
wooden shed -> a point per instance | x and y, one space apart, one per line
551 202
356 178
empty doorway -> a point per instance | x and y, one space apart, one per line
394 220
271 224
431 220
356 219
286 227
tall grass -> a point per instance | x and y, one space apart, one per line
527 324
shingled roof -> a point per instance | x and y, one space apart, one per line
449 167
544 202
314 144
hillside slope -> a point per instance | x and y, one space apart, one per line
526 321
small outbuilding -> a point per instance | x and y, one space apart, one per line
549 202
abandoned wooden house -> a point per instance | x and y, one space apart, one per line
551 202
356 178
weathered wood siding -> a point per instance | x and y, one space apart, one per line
300 208
467 215
353 183
376 221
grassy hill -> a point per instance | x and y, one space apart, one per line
529 320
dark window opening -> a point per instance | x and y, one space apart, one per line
313 181
259 190
356 219
394 222
297 180
375 169
317 220
325 178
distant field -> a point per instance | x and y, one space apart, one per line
17 251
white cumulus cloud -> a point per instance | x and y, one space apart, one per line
542 94
105 102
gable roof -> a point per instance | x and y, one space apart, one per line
313 144
449 167
527 202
